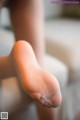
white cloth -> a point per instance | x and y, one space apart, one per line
58 69
63 41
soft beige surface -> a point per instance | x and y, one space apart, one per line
63 41
10 94
58 69
64 37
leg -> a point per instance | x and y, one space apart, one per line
47 113
28 24
6 67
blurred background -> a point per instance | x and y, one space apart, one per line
62 34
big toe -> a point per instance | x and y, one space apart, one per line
56 100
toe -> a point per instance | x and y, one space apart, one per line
56 100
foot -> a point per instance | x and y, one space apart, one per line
38 83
